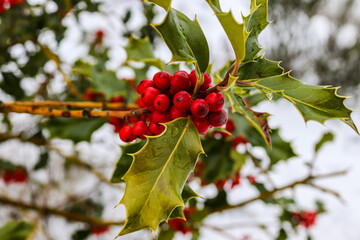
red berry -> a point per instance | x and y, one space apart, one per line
176 113
182 101
252 179
89 95
206 84
117 123
160 117
220 184
216 101
161 102
201 124
180 81
126 134
144 84
199 108
230 126
140 103
309 219
20 176
156 128
99 230
140 129
217 119
117 99
100 33
238 140
162 80
148 96
8 177
236 180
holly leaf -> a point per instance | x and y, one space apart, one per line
255 23
7 166
235 31
327 137
220 163
318 103
158 175
186 195
16 231
185 39
257 119
76 130
141 50
106 81
162 3
123 164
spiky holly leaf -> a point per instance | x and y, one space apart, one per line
125 160
257 119
186 195
185 39
235 31
158 175
162 3
220 162
255 23
16 231
316 103
141 50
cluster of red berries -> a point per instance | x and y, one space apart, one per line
18 175
181 225
4 4
168 97
306 219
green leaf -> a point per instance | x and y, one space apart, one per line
7 166
158 175
316 103
141 50
166 234
11 85
123 164
162 3
42 162
16 231
220 162
282 235
75 129
186 195
81 234
185 39
220 200
255 23
236 32
327 137
106 81
257 120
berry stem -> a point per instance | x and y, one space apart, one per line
223 84
73 105
85 113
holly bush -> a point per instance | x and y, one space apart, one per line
182 124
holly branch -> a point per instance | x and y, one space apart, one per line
44 210
84 113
